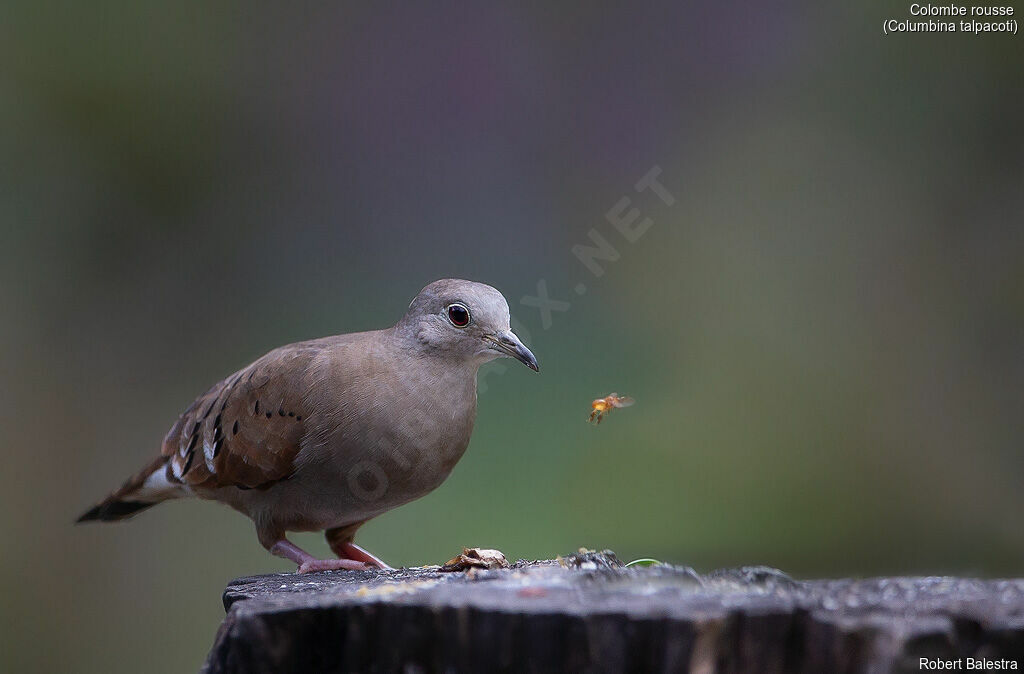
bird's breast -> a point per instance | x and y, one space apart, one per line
391 445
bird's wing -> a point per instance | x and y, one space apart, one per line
247 429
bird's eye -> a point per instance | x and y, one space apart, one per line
458 314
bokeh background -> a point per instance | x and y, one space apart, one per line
823 333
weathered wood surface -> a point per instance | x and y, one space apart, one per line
589 614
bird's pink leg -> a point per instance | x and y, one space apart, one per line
340 540
352 551
308 563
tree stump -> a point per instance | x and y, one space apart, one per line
587 613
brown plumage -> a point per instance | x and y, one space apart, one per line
329 433
245 431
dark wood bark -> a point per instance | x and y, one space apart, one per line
588 613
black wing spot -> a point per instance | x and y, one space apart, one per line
256 408
270 414
188 463
209 409
281 412
234 429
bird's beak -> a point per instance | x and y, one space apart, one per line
510 345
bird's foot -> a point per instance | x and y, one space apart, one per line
307 563
332 565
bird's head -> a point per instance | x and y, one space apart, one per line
463 319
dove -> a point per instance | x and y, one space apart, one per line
324 435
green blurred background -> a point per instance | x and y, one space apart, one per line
824 332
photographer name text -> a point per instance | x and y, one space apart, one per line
966 664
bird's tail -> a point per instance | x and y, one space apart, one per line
142 490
